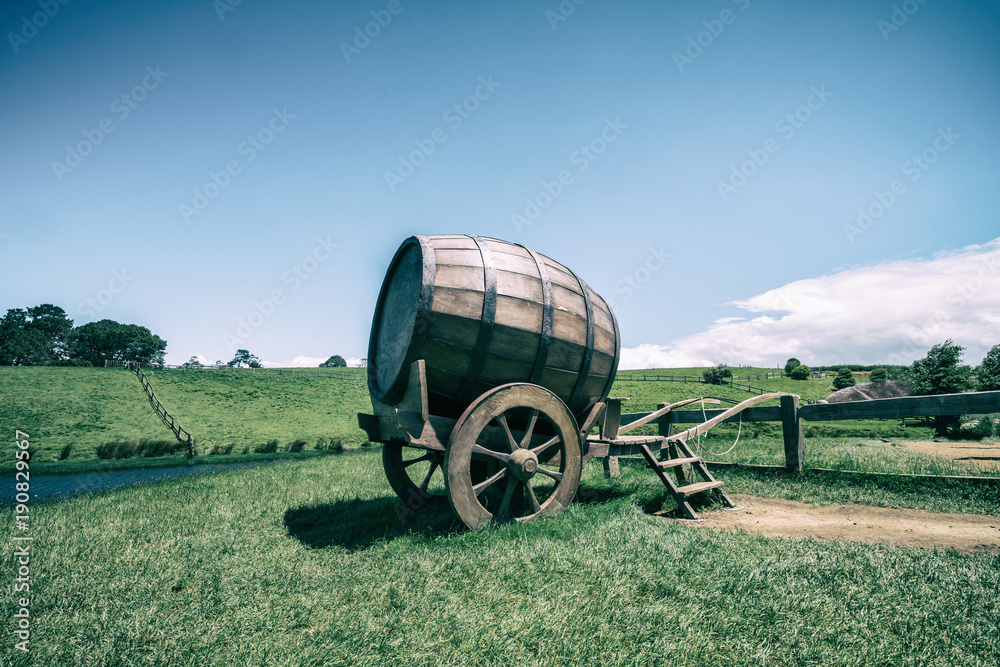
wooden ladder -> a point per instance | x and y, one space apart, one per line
684 456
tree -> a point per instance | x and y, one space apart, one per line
192 363
791 364
336 361
800 372
988 373
107 340
33 336
879 374
940 371
844 379
243 358
718 374
363 363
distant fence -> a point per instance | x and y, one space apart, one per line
791 414
301 372
182 434
727 382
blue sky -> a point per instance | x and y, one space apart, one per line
239 175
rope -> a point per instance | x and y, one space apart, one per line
704 418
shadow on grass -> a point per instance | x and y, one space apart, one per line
360 523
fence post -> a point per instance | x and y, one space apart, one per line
190 446
791 428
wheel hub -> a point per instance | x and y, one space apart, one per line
522 464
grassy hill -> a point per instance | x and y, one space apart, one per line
88 407
233 410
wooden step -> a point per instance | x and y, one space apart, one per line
673 463
631 440
698 487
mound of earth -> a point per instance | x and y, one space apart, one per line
867 391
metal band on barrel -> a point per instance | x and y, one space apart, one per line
468 390
541 357
588 355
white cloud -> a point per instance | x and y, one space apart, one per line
886 313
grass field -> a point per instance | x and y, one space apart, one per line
235 410
317 563
87 407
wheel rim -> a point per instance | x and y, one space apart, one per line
514 455
416 475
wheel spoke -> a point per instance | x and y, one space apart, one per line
526 440
502 420
504 512
537 451
426 457
531 494
430 473
482 451
485 484
551 473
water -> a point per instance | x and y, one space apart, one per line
54 487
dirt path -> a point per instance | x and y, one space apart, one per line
915 529
984 456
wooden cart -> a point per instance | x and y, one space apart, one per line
489 366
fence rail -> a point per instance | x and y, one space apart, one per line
300 371
175 426
790 414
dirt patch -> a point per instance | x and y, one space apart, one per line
983 456
915 529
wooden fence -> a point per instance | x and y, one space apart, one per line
791 414
301 372
182 434
727 382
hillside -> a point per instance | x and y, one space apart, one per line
88 407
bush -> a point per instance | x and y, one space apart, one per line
296 445
791 364
126 449
64 454
717 375
844 379
800 372
970 428
879 375
267 448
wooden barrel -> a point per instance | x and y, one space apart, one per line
482 313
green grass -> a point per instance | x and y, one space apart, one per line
317 563
88 407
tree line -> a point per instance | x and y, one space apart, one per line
940 372
44 335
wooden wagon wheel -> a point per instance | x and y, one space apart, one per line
530 444
411 473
